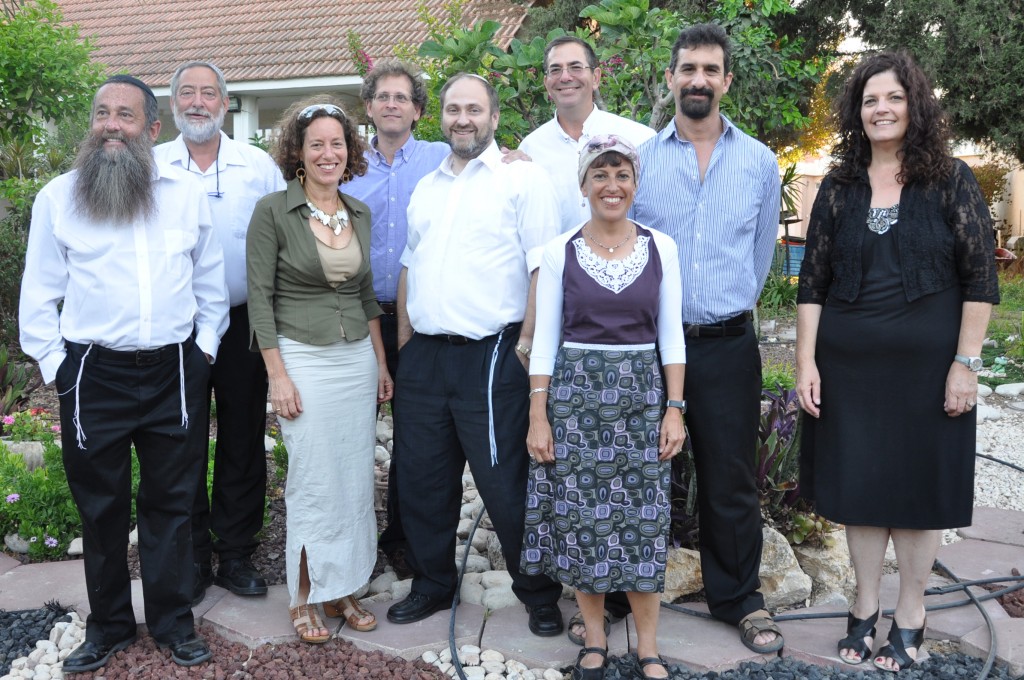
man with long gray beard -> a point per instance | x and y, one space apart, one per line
126 244
235 175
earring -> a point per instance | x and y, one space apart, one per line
346 176
300 174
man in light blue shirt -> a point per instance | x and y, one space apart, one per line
395 97
716 191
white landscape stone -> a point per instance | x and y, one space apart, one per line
496 579
133 536
782 581
429 656
984 390
492 655
471 593
499 598
1010 389
492 666
382 584
552 674
380 454
401 589
477 563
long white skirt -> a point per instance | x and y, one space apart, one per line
329 492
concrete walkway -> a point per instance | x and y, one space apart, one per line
993 546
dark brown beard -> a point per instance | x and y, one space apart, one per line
115 187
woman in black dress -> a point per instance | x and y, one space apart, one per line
895 294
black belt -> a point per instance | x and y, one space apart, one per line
138 357
734 326
463 340
389 308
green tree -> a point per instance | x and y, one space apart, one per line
46 67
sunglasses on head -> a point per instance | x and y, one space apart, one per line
329 109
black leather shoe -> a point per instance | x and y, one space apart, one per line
241 577
417 607
188 651
203 580
545 620
89 656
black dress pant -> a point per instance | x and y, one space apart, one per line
393 536
233 511
125 398
444 421
723 396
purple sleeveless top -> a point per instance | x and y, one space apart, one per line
611 306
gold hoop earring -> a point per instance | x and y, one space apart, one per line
300 174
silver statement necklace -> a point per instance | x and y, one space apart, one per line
336 222
610 249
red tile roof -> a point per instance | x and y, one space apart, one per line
259 39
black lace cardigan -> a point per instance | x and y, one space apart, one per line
945 238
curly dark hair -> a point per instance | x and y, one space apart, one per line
924 154
287 147
395 67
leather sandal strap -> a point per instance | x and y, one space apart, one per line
649 660
594 650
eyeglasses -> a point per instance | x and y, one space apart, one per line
384 98
216 166
329 109
557 70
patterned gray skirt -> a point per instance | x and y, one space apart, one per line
597 518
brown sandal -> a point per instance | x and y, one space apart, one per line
760 622
348 608
305 618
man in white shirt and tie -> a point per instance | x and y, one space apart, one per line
476 231
126 244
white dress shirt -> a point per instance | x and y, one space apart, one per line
473 240
247 174
550 147
124 286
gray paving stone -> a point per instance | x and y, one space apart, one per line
507 631
1009 644
252 621
997 526
973 559
7 563
410 640
699 643
29 586
814 640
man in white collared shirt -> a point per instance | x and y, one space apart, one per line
235 175
572 79
127 245
476 231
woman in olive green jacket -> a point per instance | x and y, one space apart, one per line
315 319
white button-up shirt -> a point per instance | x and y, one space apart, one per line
247 174
124 286
551 148
473 240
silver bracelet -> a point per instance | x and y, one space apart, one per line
537 390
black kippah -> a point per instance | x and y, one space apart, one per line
132 80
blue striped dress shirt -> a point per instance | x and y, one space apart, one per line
386 189
725 227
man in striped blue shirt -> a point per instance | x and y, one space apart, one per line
715 190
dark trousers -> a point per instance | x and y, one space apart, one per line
234 509
723 395
442 399
393 536
121 404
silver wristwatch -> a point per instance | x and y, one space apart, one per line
974 364
681 405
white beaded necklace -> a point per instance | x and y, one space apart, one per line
336 222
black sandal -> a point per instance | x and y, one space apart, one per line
581 673
856 631
899 640
651 660
577 620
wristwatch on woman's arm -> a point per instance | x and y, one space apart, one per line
974 364
673 403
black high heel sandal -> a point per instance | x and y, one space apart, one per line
581 673
856 631
899 640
